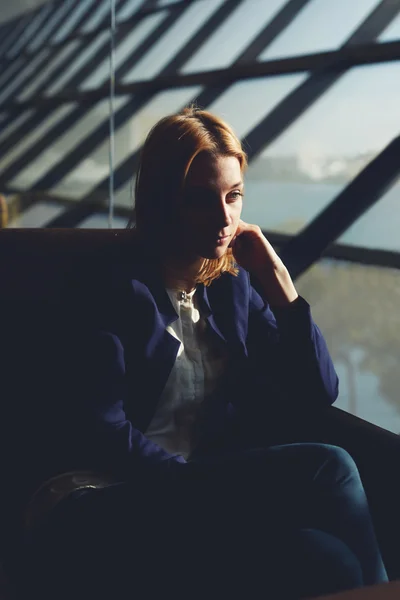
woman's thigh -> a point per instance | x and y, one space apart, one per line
282 479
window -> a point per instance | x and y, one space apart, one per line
97 17
94 169
194 16
68 24
11 34
29 140
356 308
233 36
37 215
128 9
53 66
53 24
123 50
11 124
320 26
379 227
27 32
10 69
261 96
392 32
89 51
24 75
100 221
60 147
304 169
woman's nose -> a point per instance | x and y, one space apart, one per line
223 214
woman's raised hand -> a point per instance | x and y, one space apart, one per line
253 252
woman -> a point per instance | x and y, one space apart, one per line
183 376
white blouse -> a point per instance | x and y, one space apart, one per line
200 362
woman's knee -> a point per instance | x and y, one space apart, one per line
335 462
323 564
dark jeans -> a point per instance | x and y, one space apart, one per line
284 522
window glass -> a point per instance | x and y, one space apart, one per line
10 69
172 41
37 215
8 128
26 29
123 197
356 308
379 227
392 31
129 137
233 36
68 24
261 96
128 9
320 26
305 168
26 73
123 50
11 34
49 70
97 17
89 50
29 140
100 221
53 24
60 147
166 2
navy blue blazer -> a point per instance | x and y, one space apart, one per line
278 359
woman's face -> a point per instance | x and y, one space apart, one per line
212 204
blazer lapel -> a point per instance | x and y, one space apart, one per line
227 301
155 348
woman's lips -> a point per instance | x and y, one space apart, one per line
222 239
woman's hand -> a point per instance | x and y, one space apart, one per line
253 252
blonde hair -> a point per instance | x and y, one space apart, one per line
168 152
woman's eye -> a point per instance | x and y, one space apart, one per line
235 195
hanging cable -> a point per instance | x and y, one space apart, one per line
112 95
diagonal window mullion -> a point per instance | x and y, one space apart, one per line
359 195
270 32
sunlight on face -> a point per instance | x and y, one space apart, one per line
212 205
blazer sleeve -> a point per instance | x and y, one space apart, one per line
110 440
288 349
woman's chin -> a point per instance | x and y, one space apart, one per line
215 253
